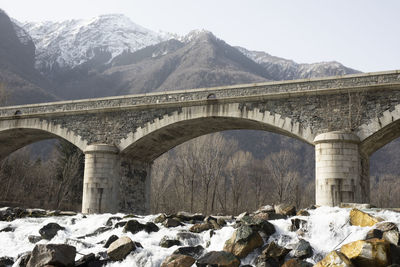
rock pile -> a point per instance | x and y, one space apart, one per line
252 240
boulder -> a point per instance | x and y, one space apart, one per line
368 253
160 218
221 222
335 259
394 254
302 250
85 260
110 240
6 261
167 243
195 252
50 230
387 231
186 216
201 227
303 212
151 227
120 224
36 213
272 251
130 216
243 241
111 220
258 224
7 229
52 254
296 263
270 262
218 258
23 259
285 209
298 224
266 216
178 260
392 237
34 238
266 208
133 227
386 226
360 218
374 233
171 222
67 213
120 248
241 215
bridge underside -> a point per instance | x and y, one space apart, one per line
152 145
12 140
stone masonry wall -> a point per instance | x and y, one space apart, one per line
358 81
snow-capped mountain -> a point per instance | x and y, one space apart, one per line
73 42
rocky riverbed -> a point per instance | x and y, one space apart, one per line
270 236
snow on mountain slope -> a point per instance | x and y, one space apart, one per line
73 42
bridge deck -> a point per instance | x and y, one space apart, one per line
262 91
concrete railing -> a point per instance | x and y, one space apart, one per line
246 92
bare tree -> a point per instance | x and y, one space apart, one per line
385 191
284 179
160 175
238 171
258 178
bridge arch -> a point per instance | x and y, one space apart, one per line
379 131
145 143
19 132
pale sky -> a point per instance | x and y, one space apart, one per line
361 34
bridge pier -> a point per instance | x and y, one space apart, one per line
101 179
340 176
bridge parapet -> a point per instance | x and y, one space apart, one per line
258 91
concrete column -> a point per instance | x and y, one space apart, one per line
101 179
338 168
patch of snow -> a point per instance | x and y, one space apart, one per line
73 42
328 228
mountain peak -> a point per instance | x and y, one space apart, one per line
197 35
74 42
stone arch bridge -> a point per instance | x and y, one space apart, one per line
346 118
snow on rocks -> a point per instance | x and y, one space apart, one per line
324 231
73 42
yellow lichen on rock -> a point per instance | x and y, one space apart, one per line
360 218
368 253
335 259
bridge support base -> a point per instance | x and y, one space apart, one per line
101 179
339 174
135 186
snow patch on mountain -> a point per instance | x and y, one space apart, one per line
195 35
74 42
